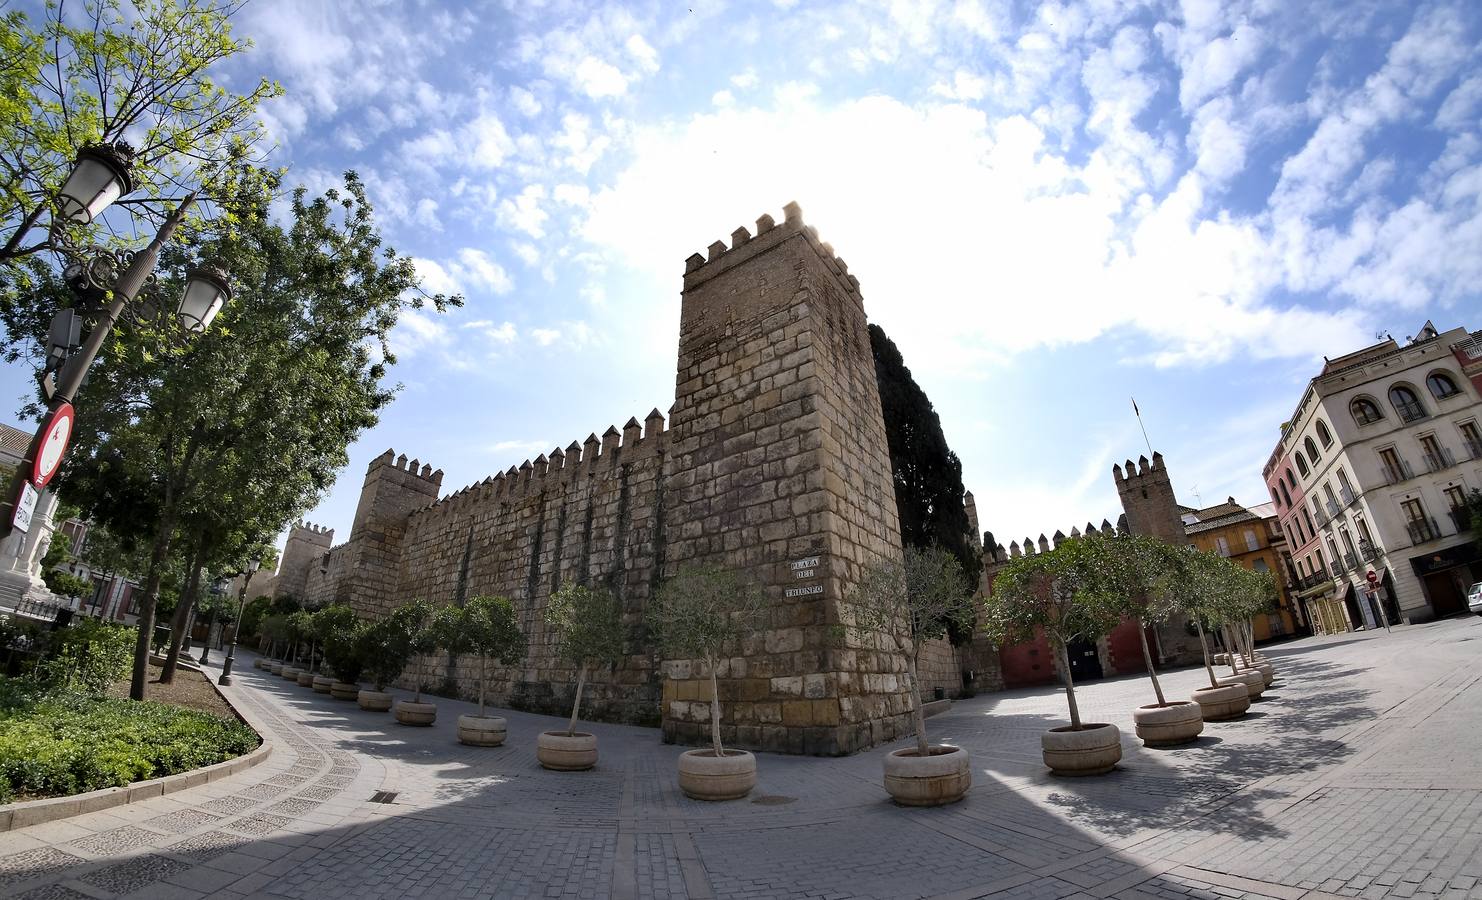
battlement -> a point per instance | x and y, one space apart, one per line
994 553
318 535
1128 472
634 441
744 246
413 467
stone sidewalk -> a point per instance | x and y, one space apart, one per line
1359 775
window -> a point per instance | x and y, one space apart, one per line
1301 464
1406 403
1471 437
1284 495
1436 456
1345 490
1347 542
1323 434
1312 450
1365 411
1311 530
1260 566
1364 537
1394 467
1420 526
1456 497
1251 543
1222 545
1441 385
1414 512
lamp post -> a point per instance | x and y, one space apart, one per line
231 651
99 177
217 590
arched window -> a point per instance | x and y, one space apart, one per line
1406 403
1312 450
1324 437
1301 464
1284 495
1365 411
1441 385
1290 482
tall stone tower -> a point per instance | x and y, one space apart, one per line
1151 508
780 469
393 489
306 543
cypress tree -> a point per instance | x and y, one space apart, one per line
926 473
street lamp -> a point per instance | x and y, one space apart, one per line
207 290
231 651
99 176
217 589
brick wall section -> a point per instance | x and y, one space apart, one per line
306 543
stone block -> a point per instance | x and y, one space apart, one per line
797 712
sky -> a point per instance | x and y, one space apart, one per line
1052 208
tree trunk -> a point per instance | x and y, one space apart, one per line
1230 649
483 663
1147 657
918 717
146 607
1075 711
1204 645
182 617
715 710
581 680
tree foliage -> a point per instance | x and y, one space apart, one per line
927 475
339 632
587 623
486 626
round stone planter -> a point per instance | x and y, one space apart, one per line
481 731
275 668
1094 750
705 776
1175 723
567 752
1253 681
322 684
306 679
259 663
374 701
342 691
941 777
289 673
409 713
1268 672
1220 704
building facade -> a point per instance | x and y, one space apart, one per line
1250 537
1370 476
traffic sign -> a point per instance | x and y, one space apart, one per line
56 432
1373 577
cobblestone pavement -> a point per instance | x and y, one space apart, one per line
1359 775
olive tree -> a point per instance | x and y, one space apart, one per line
588 625
1200 585
903 603
1070 593
700 613
340 632
487 626
388 645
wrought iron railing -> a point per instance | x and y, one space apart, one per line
1368 551
1398 471
1410 411
1422 530
1439 460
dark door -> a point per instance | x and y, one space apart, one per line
1084 663
1445 592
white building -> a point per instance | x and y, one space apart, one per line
1372 472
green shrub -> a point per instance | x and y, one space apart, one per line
56 744
90 654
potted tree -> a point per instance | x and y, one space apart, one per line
700 613
588 626
489 627
1141 563
326 625
297 629
1196 583
274 630
907 602
343 652
1068 595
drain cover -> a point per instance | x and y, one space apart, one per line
383 796
773 800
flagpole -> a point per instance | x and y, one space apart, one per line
1137 412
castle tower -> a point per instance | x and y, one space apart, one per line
779 469
1151 508
393 488
306 543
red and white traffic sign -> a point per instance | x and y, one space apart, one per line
56 433
1373 577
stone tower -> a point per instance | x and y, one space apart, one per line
306 543
779 469
393 489
1150 508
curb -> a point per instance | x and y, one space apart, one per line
50 809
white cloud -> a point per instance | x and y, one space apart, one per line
599 79
545 336
524 212
722 98
503 333
435 278
643 53
745 80
527 252
524 101
482 271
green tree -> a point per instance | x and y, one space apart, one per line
486 626
927 475
702 612
588 624
388 645
909 601
59 582
1073 592
339 631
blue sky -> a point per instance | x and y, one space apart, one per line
1051 207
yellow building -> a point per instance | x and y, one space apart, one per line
1253 538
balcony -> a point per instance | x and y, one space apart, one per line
1410 412
1316 579
1461 517
1474 449
1441 459
1368 551
1331 507
1346 496
1422 530
1398 472
1351 561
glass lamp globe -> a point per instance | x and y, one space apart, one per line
207 290
99 177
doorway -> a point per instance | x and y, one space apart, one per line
1447 591
1085 662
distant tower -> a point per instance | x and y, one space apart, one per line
306 543
393 489
971 508
1148 499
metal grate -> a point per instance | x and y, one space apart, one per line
383 796
773 800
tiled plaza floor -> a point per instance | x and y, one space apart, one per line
1359 775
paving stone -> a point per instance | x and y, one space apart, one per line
35 863
182 820
117 840
133 874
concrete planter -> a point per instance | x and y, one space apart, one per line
1175 723
1094 750
342 691
481 731
259 663
564 752
1254 682
939 778
306 679
409 713
374 701
705 776
275 668
1220 704
289 673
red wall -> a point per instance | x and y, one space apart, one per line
1028 664
1125 649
